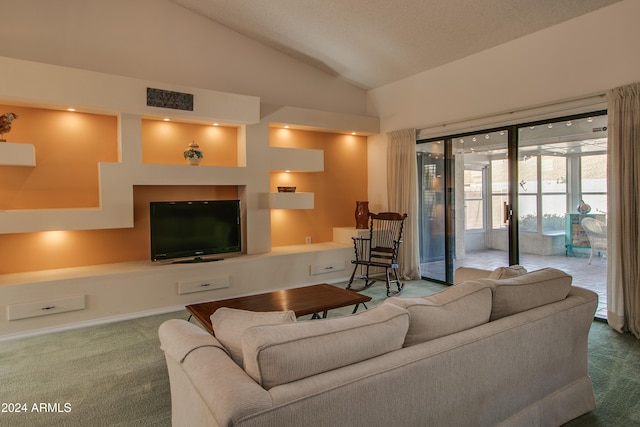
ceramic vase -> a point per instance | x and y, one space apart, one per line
193 154
362 215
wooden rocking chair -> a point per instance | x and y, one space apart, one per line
380 249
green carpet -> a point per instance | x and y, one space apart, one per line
614 368
115 374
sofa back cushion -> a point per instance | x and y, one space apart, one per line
457 308
280 354
527 291
229 324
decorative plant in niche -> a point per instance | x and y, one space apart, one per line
193 154
5 124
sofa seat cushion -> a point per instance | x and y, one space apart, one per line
230 323
527 291
457 308
280 354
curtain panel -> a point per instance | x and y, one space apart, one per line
623 206
402 196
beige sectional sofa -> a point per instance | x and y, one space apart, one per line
510 350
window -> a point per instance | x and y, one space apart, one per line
528 192
499 192
553 178
473 202
593 182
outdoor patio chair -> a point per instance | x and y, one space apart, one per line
597 234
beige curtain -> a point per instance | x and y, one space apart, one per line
402 196
623 271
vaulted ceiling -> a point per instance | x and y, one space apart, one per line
374 42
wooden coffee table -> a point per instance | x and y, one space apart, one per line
312 299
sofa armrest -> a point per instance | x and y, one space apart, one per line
178 338
207 386
463 274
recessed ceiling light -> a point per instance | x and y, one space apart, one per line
569 123
550 125
589 119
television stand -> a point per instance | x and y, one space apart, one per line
196 259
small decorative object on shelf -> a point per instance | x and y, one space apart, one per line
362 215
583 208
193 154
286 189
5 124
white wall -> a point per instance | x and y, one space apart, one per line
161 41
581 57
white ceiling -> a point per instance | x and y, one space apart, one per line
374 42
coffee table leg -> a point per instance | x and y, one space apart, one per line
358 305
317 316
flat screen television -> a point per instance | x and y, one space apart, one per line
192 231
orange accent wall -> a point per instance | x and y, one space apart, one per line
59 249
336 190
68 147
164 142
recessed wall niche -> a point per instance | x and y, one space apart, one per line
64 248
68 147
163 142
335 190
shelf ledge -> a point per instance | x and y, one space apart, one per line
16 154
291 200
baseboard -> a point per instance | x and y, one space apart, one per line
88 323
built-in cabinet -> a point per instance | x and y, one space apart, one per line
40 300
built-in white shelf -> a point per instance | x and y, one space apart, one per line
291 200
15 154
344 235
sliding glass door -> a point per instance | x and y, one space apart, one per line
464 206
433 179
560 163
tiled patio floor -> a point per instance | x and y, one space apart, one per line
590 276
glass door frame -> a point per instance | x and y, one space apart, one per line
512 211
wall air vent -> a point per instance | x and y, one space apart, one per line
168 99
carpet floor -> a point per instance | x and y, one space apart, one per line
115 374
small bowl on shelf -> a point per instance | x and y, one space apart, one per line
286 189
